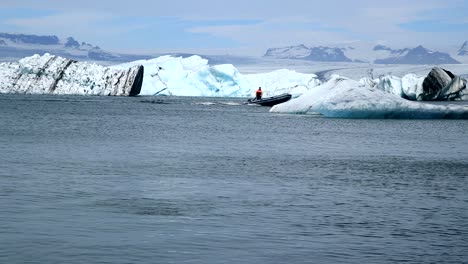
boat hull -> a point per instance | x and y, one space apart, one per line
271 101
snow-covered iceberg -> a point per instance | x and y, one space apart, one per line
193 76
49 74
344 98
438 85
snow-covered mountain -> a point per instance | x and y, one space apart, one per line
418 55
14 46
463 51
17 46
301 52
378 54
291 52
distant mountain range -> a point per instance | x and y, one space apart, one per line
14 46
17 46
301 52
418 55
378 54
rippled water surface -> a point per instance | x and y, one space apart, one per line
202 180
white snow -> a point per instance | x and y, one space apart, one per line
299 51
346 98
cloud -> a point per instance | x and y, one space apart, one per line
61 23
239 24
95 27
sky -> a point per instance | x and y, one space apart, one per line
241 27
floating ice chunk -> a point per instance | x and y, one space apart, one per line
345 98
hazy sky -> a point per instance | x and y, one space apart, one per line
241 26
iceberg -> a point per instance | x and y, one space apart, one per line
443 85
438 85
408 87
345 98
193 76
49 74
166 75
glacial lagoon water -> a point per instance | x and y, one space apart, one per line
203 180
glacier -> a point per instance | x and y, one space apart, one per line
50 74
345 98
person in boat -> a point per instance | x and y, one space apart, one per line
258 93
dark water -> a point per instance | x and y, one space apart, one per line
184 180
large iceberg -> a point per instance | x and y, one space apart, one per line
344 98
193 76
49 74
